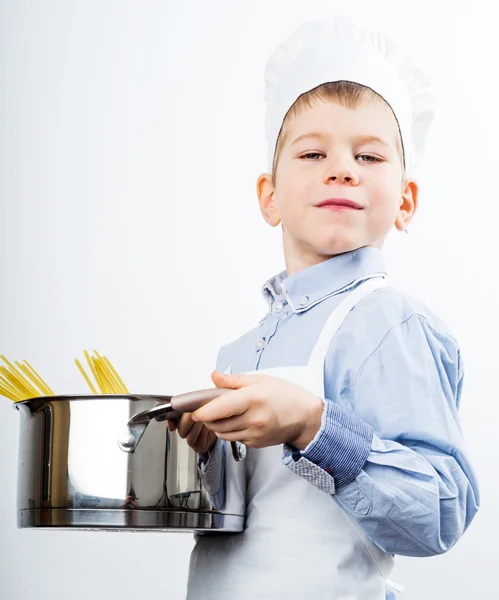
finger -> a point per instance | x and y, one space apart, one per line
185 425
205 441
229 405
237 423
236 436
172 424
193 435
201 442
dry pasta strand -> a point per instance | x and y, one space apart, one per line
117 386
46 388
13 392
100 381
22 380
92 368
110 383
25 370
105 375
102 373
27 384
113 385
122 386
87 378
5 392
107 379
16 382
7 385
117 389
7 362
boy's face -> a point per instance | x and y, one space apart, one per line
344 163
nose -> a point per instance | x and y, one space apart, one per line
341 171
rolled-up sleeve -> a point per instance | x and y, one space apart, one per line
416 492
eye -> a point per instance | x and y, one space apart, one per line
309 154
368 158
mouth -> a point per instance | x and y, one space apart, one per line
339 203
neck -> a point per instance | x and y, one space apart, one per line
297 257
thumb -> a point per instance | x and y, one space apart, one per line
233 381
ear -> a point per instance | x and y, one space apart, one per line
265 191
408 204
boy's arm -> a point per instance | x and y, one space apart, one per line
398 464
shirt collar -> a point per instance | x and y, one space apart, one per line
310 286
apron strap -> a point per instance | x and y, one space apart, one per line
339 314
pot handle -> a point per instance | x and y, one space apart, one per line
191 401
182 403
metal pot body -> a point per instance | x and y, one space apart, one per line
72 473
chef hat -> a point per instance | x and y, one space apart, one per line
334 49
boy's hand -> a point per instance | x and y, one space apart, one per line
261 411
199 437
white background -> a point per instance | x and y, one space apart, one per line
131 139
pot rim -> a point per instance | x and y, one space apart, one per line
75 397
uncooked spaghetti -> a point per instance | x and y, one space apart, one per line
20 382
105 375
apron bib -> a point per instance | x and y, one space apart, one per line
298 542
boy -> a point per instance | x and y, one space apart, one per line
346 395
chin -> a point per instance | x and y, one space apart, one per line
335 247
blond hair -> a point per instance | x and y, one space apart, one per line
346 93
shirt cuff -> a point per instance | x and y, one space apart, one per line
340 447
204 457
212 470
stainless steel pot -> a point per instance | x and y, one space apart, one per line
109 462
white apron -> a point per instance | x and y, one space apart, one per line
298 543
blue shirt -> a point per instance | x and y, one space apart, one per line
393 379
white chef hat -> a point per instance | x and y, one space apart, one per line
334 49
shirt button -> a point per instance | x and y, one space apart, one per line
304 300
260 344
277 307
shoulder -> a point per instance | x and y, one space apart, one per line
389 307
388 321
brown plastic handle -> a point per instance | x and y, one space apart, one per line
191 401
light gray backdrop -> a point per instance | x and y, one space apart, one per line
131 139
